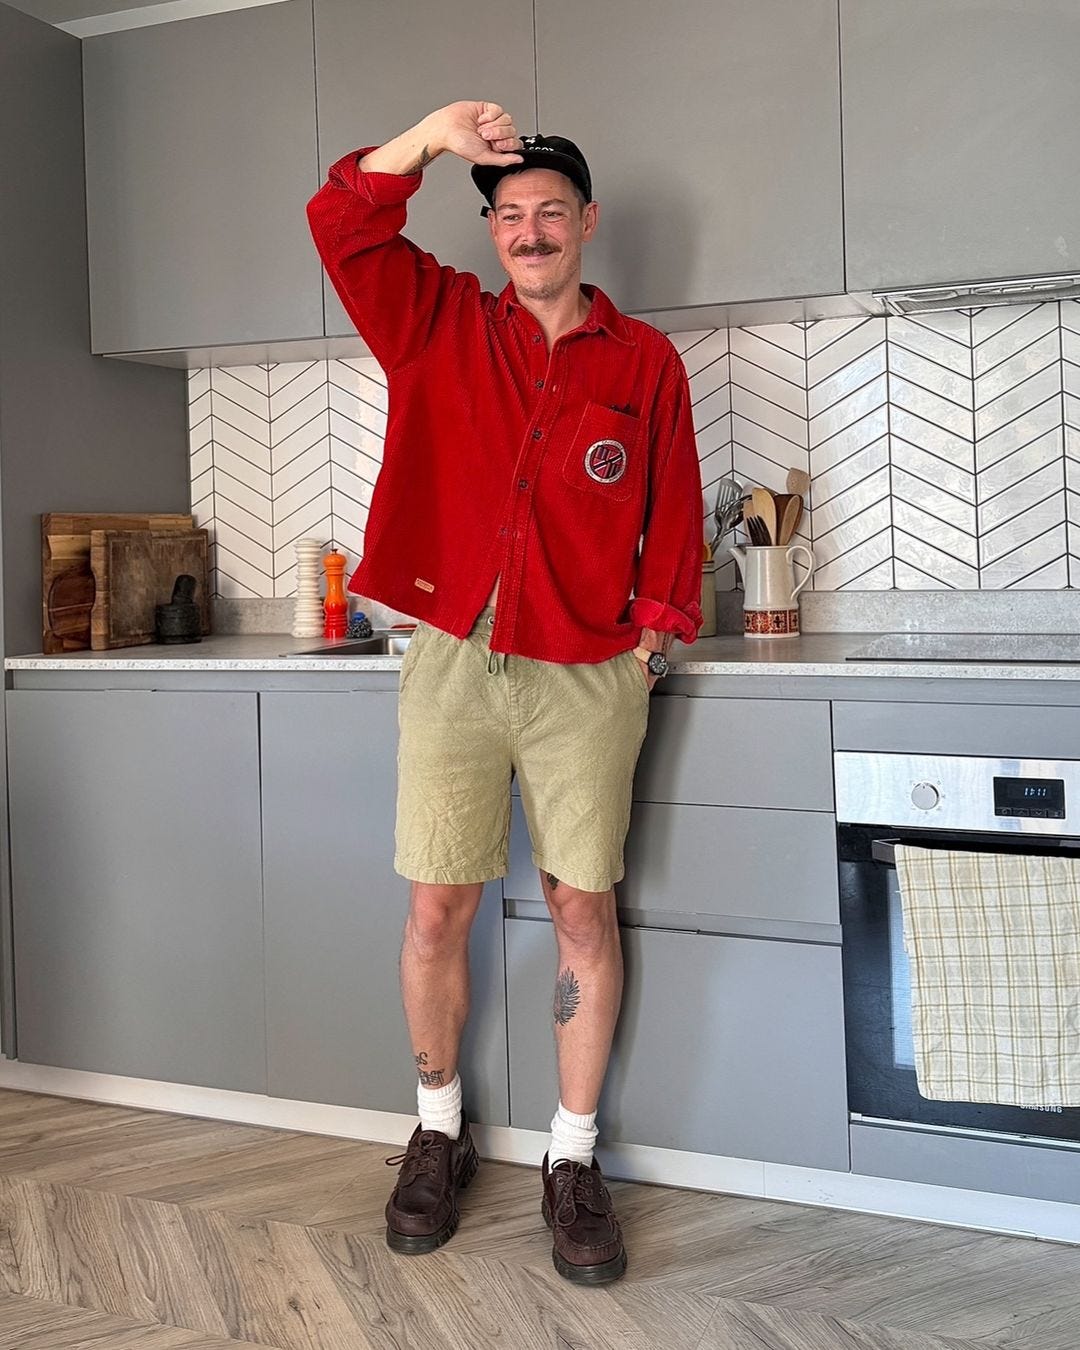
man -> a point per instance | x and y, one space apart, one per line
538 512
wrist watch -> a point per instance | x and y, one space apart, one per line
656 662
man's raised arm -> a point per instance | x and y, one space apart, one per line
390 289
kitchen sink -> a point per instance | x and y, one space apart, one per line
385 643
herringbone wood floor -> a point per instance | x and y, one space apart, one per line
131 1230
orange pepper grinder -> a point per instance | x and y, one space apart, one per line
335 606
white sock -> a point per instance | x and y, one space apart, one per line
572 1137
440 1108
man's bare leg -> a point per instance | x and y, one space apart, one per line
588 989
435 975
440 1158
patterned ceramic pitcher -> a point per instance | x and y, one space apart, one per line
770 601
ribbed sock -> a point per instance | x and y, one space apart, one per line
440 1108
572 1137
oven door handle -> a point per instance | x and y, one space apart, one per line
884 851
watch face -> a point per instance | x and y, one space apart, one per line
658 664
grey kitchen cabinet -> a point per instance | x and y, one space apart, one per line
335 910
729 1046
713 134
961 136
737 752
383 65
136 881
200 158
113 434
712 863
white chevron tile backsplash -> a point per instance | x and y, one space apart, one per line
943 450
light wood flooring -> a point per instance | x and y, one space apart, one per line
132 1230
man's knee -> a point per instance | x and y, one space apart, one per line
583 918
440 917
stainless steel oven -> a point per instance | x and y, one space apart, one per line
958 802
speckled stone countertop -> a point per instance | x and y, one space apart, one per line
811 654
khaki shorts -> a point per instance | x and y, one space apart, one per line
471 718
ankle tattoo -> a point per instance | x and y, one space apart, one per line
429 1078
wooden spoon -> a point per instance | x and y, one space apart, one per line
764 505
798 482
789 521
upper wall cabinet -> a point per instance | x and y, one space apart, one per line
712 128
200 157
383 65
961 140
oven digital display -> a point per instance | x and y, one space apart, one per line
1030 797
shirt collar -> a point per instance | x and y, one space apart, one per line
602 313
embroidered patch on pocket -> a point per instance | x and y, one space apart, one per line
605 461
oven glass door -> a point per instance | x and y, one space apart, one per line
877 990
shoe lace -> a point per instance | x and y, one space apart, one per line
584 1188
421 1157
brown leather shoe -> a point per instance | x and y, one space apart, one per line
422 1212
579 1211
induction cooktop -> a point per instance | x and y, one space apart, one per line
962 648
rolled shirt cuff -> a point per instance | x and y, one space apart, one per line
381 189
663 618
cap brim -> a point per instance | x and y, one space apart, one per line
487 176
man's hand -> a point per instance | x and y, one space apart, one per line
480 133
650 680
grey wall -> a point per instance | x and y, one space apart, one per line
77 432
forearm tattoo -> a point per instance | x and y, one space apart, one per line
567 997
425 159
431 1078
553 880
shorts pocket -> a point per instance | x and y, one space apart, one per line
410 657
637 674
606 455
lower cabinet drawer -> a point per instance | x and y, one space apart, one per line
778 866
727 1046
737 752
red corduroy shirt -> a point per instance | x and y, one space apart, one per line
572 477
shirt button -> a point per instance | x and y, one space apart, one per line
537 433
536 337
523 483
539 384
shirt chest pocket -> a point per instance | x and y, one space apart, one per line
607 454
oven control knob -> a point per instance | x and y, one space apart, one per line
925 796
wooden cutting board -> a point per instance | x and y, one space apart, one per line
134 571
67 581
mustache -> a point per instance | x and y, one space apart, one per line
533 250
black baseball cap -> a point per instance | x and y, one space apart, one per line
537 152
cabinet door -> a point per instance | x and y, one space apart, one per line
961 122
381 66
200 159
730 1046
335 910
136 882
713 135
712 862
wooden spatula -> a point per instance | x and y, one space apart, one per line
798 482
764 505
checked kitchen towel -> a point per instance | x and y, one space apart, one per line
994 945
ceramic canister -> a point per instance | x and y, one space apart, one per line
770 600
